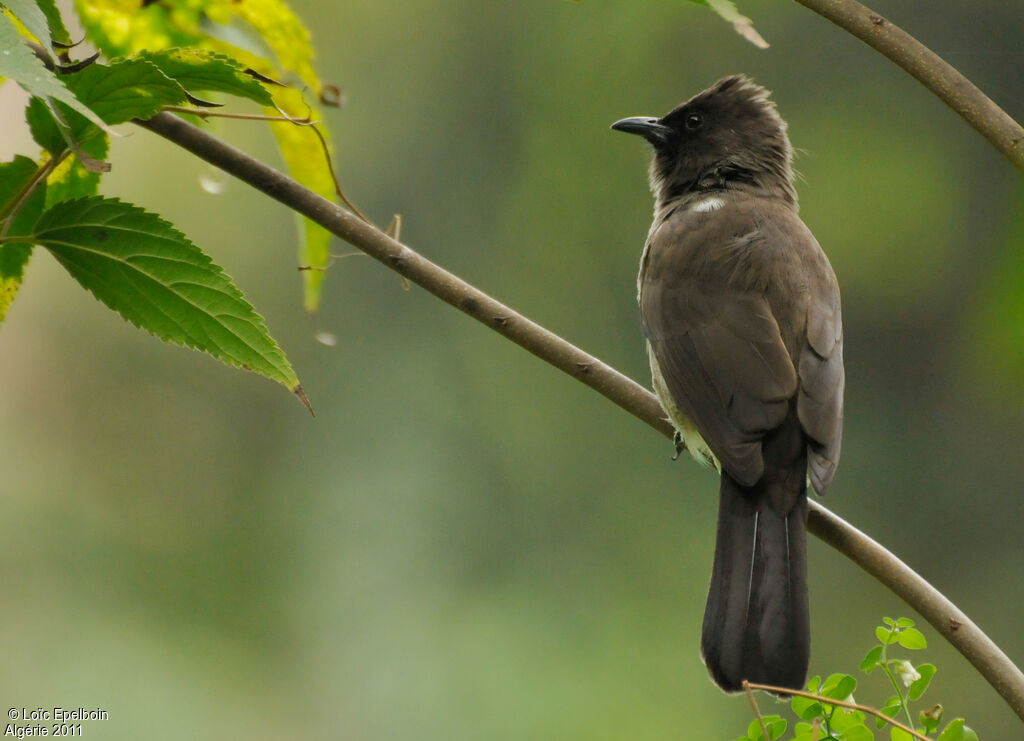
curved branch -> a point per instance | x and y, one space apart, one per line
928 68
951 622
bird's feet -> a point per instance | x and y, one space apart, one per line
680 444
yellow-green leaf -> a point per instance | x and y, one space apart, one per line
15 177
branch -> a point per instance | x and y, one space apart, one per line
965 636
928 68
748 686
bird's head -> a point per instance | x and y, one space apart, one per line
730 135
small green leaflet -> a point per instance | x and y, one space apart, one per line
727 11
203 70
14 178
140 266
19 63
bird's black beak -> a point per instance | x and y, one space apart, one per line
649 128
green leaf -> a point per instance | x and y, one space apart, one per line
71 179
839 687
904 623
912 638
25 68
898 734
775 724
140 266
806 708
125 89
813 683
14 178
885 636
858 732
918 687
43 127
727 11
871 659
954 731
957 731
203 70
32 17
891 709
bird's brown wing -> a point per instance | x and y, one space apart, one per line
716 341
822 379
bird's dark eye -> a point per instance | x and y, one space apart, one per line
693 121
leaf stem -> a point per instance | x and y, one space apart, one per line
840 703
884 662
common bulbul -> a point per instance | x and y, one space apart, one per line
740 308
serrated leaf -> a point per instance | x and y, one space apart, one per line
204 70
70 179
870 661
912 638
125 89
140 266
727 11
15 176
32 18
18 63
918 686
284 46
51 25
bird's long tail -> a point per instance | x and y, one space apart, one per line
756 623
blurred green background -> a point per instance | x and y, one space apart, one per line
465 544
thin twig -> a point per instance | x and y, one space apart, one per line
334 177
840 703
928 68
757 710
931 604
207 113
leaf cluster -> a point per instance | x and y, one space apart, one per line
820 720
174 53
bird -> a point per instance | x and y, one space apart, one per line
740 309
